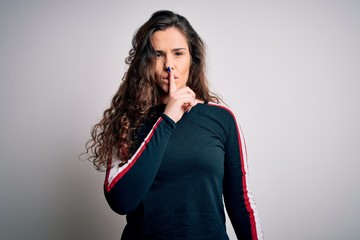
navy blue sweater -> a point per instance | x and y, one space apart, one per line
175 184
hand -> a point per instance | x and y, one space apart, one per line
179 101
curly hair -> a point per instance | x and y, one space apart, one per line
114 135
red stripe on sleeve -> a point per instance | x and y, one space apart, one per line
244 180
132 160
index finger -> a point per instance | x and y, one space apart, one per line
172 85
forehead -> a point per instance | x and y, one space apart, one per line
169 38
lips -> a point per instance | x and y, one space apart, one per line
166 77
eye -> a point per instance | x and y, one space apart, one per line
159 54
179 53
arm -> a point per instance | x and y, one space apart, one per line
238 199
126 186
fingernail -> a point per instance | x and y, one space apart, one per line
168 69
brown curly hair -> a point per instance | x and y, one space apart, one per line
114 135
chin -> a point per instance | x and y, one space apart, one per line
162 89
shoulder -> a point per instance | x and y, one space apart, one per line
218 114
220 110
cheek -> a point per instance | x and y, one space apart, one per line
187 68
186 73
158 70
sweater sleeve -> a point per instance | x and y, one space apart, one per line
126 186
238 199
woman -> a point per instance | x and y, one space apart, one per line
171 152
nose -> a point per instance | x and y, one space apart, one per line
168 66
168 63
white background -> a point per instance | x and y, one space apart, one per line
289 69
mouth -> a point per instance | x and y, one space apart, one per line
166 78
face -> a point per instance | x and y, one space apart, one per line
172 51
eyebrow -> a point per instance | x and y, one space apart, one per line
172 50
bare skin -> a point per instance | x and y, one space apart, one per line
178 101
173 54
